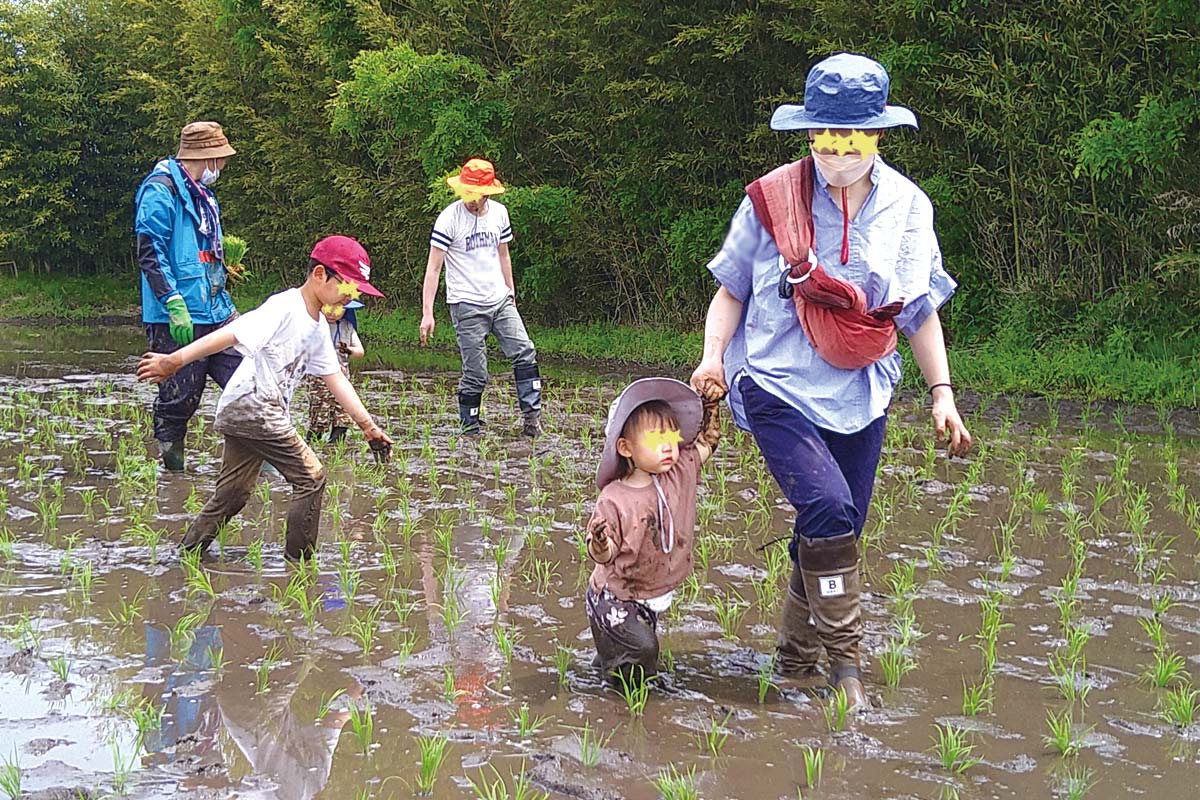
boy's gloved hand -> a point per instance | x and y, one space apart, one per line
180 326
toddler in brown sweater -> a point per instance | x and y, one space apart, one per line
642 532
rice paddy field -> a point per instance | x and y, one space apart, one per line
1032 615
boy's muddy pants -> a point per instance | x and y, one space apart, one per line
472 324
240 466
624 634
179 395
828 478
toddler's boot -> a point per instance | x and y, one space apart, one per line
829 568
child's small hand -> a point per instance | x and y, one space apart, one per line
599 533
156 367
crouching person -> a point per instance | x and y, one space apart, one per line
281 341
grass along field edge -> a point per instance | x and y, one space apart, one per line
1067 370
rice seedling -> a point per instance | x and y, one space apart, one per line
450 689
196 578
84 580
676 785
216 659
254 554
527 724
814 766
1167 669
1070 678
433 753
364 629
836 709
6 544
711 739
953 750
362 724
145 715
148 537
184 632
977 697
326 703
1075 782
766 679
1179 706
122 766
48 510
895 662
540 573
729 609
507 637
591 744
563 660
60 667
1064 737
11 776
129 612
262 672
453 613
635 689
522 788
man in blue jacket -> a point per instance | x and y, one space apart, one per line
178 228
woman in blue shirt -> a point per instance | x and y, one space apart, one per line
821 428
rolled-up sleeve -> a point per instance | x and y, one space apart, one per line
733 265
923 280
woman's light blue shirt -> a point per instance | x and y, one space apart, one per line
894 255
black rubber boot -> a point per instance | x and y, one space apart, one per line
529 398
468 413
172 454
336 434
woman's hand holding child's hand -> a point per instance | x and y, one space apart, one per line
709 380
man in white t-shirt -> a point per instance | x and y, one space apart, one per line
281 341
471 238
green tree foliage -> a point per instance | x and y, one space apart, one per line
1057 141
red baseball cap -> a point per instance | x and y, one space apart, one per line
349 259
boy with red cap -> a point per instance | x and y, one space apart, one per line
281 341
471 238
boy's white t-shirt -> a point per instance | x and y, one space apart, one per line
280 343
472 247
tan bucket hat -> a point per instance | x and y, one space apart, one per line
201 140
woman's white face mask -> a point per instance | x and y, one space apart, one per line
842 170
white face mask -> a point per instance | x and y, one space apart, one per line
842 170
209 176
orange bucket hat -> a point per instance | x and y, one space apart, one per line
477 176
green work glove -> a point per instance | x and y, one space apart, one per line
181 321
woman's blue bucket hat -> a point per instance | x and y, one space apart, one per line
844 91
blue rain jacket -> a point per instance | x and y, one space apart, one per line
174 256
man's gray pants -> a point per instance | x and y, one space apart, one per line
472 324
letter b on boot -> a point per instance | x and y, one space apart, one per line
831 585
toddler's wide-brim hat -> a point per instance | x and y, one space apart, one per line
477 176
844 91
682 399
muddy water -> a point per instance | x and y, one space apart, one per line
447 595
